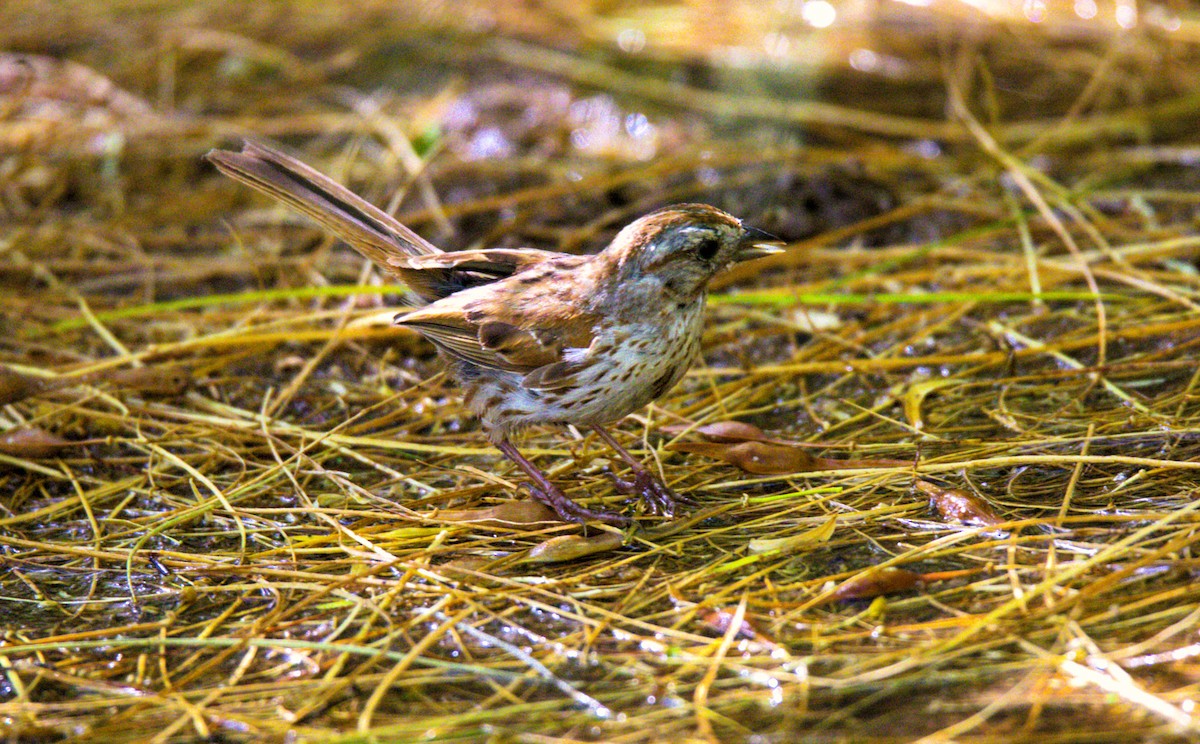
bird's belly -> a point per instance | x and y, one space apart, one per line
639 366
635 378
627 367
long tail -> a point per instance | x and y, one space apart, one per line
368 229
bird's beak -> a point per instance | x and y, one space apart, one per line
757 243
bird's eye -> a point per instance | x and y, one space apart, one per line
706 249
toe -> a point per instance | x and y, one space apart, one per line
658 497
626 487
569 511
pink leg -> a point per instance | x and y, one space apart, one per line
661 499
550 495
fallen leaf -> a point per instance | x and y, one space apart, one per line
958 505
724 431
875 583
164 381
15 386
762 458
790 544
504 513
570 547
31 442
768 458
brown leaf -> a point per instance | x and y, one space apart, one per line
15 386
570 547
769 458
164 381
31 442
726 432
875 583
762 458
505 513
958 505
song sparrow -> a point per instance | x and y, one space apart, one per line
538 337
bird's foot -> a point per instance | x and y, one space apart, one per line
569 511
654 493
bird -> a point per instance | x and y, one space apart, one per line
538 337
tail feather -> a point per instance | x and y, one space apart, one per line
369 230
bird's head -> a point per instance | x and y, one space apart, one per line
685 245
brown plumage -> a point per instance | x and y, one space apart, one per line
538 337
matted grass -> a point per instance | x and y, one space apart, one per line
238 505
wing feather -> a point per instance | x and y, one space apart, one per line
526 323
556 376
494 262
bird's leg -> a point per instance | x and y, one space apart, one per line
550 495
661 499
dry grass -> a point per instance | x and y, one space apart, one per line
237 505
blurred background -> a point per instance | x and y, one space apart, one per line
115 103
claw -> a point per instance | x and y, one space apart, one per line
552 496
569 511
654 493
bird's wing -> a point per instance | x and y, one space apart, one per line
557 376
448 273
527 323
495 262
